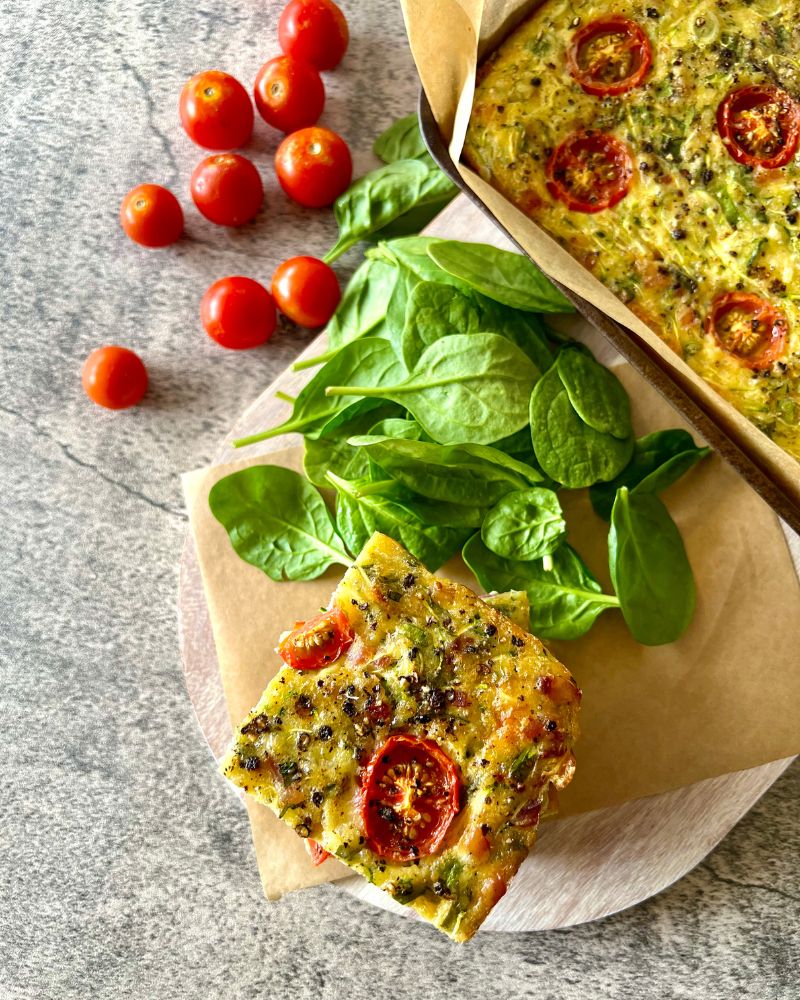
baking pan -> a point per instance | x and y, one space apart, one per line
636 352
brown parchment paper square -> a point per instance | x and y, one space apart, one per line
448 38
724 698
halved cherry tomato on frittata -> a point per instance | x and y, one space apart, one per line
759 126
289 93
590 171
749 327
609 56
410 795
318 853
317 642
216 111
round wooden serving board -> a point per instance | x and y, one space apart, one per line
584 867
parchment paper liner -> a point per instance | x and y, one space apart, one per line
724 698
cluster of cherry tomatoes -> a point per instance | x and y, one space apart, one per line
313 166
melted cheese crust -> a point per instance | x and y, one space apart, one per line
695 223
432 659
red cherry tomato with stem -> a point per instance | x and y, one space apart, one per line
759 126
590 171
315 31
114 377
227 189
238 313
609 56
748 327
318 642
216 111
151 216
289 93
410 794
314 166
306 290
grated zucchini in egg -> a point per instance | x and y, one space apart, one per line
695 223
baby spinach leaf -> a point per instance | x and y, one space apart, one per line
401 141
565 600
361 312
567 449
464 388
398 427
671 471
525 525
376 407
650 454
369 360
331 450
650 569
414 219
449 515
360 512
384 195
519 446
278 522
434 310
333 454
410 256
473 475
596 394
506 277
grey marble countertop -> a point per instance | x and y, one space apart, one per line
126 869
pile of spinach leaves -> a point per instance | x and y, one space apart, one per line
447 415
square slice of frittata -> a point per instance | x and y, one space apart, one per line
416 733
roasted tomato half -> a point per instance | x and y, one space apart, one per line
410 795
318 853
609 56
590 171
759 126
317 642
749 327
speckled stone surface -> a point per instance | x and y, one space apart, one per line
126 869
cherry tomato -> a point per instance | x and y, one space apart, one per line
151 216
749 327
410 795
590 171
216 111
759 126
317 642
318 853
114 377
314 166
609 56
315 31
306 290
238 313
227 189
289 93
